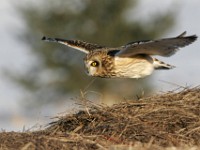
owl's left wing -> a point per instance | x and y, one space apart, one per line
163 47
76 44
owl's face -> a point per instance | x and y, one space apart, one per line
94 66
98 63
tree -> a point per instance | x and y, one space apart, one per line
59 71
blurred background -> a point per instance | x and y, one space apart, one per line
40 80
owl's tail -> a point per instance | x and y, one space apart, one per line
161 65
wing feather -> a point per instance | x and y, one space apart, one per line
163 47
76 44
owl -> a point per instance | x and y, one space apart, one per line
133 60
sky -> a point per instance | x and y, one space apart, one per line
14 55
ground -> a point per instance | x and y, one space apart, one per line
164 121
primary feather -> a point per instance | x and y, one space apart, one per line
76 44
163 47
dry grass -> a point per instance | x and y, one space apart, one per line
166 121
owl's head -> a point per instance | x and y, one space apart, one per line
97 63
94 66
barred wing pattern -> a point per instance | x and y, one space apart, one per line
76 44
163 47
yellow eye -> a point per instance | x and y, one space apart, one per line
94 64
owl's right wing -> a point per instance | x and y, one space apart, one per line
76 44
163 47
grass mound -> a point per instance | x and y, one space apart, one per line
165 120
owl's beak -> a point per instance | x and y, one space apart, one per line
87 72
90 70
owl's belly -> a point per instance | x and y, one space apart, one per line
136 67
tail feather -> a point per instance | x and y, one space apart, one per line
161 65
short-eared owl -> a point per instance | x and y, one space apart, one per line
133 60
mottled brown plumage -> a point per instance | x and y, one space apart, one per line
106 62
134 60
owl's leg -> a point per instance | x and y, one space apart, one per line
161 65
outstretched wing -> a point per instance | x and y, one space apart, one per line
163 47
76 44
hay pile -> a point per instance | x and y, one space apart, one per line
166 120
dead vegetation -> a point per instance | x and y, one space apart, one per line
158 122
